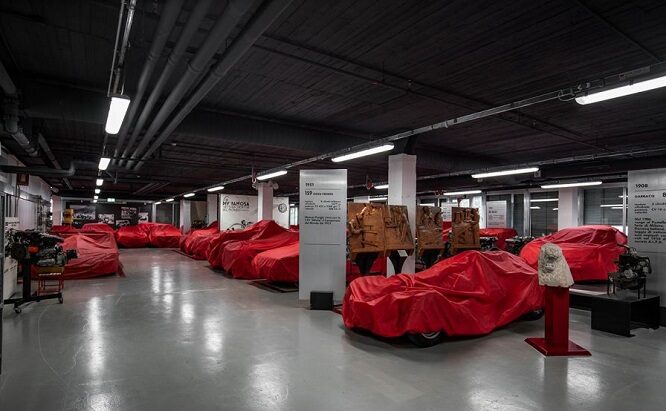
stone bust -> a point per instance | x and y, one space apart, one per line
553 268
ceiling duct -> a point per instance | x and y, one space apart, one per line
217 37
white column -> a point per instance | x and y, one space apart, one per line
567 208
153 217
265 201
57 210
402 191
185 215
212 207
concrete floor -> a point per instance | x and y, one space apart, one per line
173 335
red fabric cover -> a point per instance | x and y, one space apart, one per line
132 236
279 264
186 243
163 235
257 231
199 246
237 256
502 235
58 229
97 227
97 255
471 293
590 250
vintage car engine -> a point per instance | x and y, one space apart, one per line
632 271
515 244
41 250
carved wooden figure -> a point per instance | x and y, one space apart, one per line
464 229
429 228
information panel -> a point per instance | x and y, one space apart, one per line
322 217
496 214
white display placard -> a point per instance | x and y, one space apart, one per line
236 210
322 218
646 220
446 212
281 211
496 214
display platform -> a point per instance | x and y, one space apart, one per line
616 313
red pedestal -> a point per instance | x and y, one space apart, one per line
557 326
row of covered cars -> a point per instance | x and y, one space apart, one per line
471 293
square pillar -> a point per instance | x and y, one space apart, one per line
212 208
265 201
56 211
185 215
153 216
567 208
402 191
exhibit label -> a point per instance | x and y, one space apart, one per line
647 210
496 214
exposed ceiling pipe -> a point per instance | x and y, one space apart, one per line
193 22
12 127
49 154
164 26
6 82
39 171
216 39
259 23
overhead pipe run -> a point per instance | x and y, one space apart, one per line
12 127
49 154
164 27
230 18
259 23
39 171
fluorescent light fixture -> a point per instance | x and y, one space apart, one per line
188 195
213 189
99 182
462 193
617 208
622 196
637 87
543 200
535 208
97 191
168 200
506 172
104 163
363 153
111 200
158 203
555 209
427 204
117 111
271 175
94 201
610 205
567 185
382 187
95 197
378 198
292 205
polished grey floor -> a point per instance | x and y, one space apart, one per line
173 335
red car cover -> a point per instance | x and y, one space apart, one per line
61 229
471 293
237 256
132 236
279 264
163 235
97 227
591 250
257 231
213 228
199 246
502 234
97 255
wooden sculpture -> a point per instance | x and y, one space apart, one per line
398 233
429 228
464 229
378 228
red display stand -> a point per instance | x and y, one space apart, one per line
557 341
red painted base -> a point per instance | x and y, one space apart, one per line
550 350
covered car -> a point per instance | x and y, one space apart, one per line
192 236
278 264
502 234
237 256
258 230
471 293
97 255
104 227
590 251
163 235
133 236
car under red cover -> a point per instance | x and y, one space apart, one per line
97 255
132 236
163 235
187 244
469 294
590 251
237 256
260 229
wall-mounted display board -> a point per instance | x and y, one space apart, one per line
238 211
496 214
646 218
322 241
